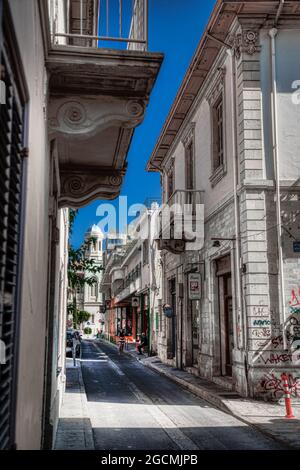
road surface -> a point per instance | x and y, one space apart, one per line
133 408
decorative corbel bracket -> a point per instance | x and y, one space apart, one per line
246 41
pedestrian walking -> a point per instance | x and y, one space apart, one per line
76 342
143 343
121 341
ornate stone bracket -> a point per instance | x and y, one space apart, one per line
82 119
79 187
246 41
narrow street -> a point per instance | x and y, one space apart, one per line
132 407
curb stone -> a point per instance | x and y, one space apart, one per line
223 405
213 398
88 430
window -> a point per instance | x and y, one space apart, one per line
94 289
218 134
189 165
145 252
216 99
93 319
170 183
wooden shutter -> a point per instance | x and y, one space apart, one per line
11 168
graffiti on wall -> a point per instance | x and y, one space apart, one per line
275 358
272 385
258 333
259 311
276 346
294 301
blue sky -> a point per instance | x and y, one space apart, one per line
175 28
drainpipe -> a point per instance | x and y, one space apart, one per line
274 116
238 281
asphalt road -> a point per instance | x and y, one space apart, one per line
133 407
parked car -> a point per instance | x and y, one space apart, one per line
69 342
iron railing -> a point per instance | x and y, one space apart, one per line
133 276
93 23
185 199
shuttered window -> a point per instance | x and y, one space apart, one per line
11 137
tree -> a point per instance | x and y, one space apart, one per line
81 270
80 316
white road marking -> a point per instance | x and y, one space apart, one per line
167 424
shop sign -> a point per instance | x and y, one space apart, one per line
168 311
135 302
296 246
194 281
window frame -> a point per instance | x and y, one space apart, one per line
218 133
170 183
216 97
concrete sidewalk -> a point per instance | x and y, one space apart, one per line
267 417
74 430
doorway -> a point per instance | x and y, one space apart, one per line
195 331
226 338
172 294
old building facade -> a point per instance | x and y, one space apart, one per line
231 142
89 297
132 284
68 112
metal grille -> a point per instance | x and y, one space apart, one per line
100 23
11 130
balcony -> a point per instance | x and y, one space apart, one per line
100 80
130 285
180 222
88 23
116 275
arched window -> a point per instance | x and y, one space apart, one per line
94 289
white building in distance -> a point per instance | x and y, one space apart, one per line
89 297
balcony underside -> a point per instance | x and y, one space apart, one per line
97 98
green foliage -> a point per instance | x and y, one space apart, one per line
87 331
81 270
79 316
72 217
83 316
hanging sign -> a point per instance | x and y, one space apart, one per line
135 302
194 286
296 247
168 311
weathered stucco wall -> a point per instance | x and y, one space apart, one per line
35 269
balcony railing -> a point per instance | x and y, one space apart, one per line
99 23
180 222
185 200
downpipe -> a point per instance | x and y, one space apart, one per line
274 117
238 281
